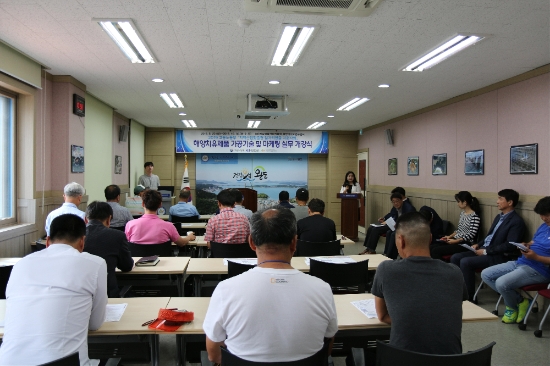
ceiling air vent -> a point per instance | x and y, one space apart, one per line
350 8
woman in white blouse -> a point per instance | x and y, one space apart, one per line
350 184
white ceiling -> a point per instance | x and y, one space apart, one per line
212 63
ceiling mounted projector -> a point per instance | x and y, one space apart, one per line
265 104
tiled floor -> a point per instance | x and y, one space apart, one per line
513 346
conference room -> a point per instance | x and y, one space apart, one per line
83 111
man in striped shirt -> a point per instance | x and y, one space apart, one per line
228 227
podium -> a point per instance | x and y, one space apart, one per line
250 198
349 214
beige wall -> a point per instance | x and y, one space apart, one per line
160 148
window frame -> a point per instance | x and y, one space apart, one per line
12 219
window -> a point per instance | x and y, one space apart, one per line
7 158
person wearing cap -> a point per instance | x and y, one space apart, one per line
135 204
149 180
300 210
72 195
284 198
239 208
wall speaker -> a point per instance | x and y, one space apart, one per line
389 137
123 133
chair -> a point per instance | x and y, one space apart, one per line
313 249
387 355
544 292
221 250
347 278
235 269
5 272
70 360
119 228
146 250
184 219
318 359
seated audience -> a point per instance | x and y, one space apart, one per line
466 232
507 227
183 208
121 215
436 230
228 227
284 198
135 204
239 208
72 195
273 312
106 243
316 227
150 229
419 296
54 297
400 207
301 210
530 268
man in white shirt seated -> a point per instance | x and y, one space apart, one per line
272 312
53 297
72 195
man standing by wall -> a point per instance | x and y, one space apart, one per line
149 180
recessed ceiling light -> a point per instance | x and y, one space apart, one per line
183 114
330 116
158 80
354 103
253 124
384 85
316 125
442 52
126 37
292 42
274 82
189 123
173 100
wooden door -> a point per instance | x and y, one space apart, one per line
363 182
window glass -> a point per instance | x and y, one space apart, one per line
7 150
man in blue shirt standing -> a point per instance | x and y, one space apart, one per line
530 268
183 208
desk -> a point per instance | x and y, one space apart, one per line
203 266
201 217
138 311
166 265
4 262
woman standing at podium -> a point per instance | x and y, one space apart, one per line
350 184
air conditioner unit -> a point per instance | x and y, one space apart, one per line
348 8
258 109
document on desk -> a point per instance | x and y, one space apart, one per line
337 259
114 312
366 307
467 247
249 261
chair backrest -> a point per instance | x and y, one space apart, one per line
221 250
184 219
235 269
119 228
70 360
343 278
146 250
387 355
318 359
5 272
313 249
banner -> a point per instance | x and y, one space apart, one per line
267 174
250 141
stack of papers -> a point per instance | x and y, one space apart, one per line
114 312
249 261
366 307
337 259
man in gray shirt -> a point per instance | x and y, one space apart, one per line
239 208
121 215
149 180
419 296
300 208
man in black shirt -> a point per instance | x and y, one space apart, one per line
109 244
316 227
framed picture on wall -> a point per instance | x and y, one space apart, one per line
392 166
439 164
412 165
524 159
77 159
118 164
474 162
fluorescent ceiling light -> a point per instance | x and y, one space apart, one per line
316 125
126 37
330 116
291 44
172 100
189 123
443 52
183 114
253 124
157 80
274 82
192 123
384 85
354 103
